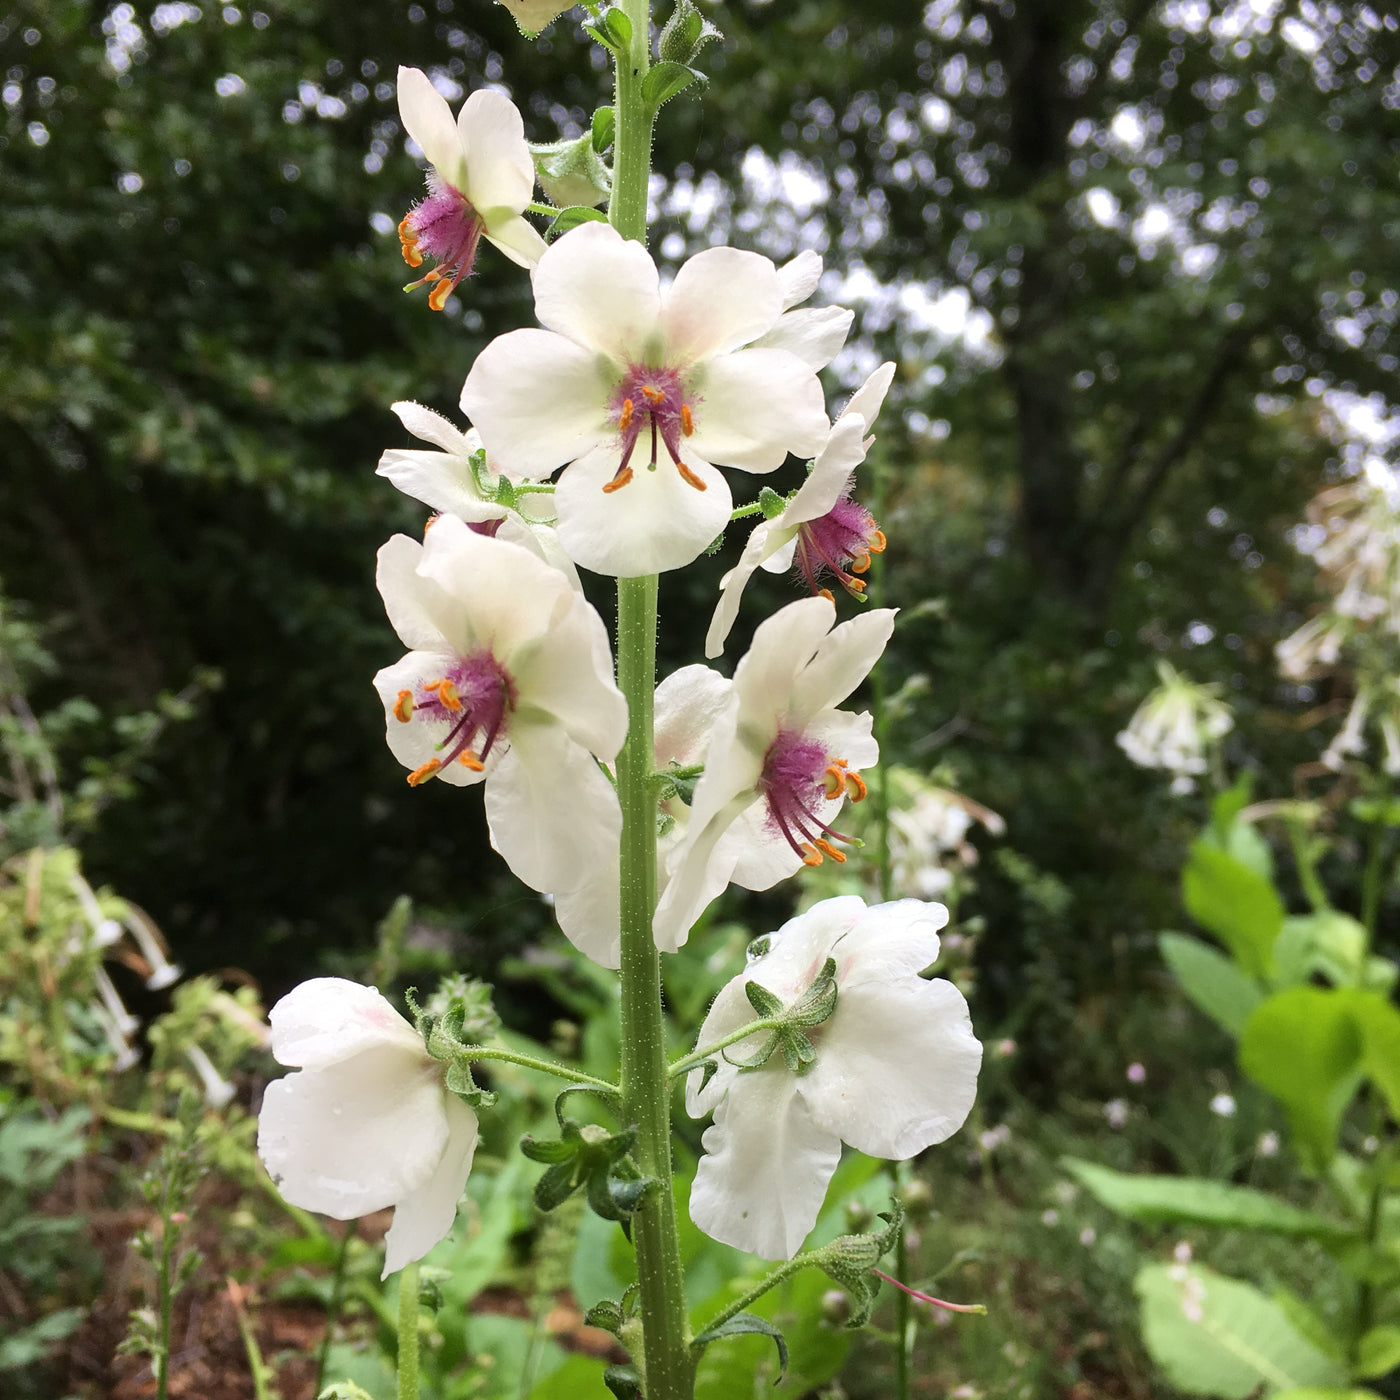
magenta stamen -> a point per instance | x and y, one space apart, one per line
976 1308
655 398
794 785
482 696
831 542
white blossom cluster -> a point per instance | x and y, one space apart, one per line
634 395
1354 535
1175 726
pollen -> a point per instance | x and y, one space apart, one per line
403 707
826 848
442 289
687 420
858 788
690 478
653 395
624 420
422 773
469 760
408 241
878 542
810 855
619 481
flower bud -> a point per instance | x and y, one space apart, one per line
572 172
858 1216
917 1197
836 1307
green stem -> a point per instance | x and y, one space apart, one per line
166 1301
408 1333
1307 867
627 209
765 1285
1372 885
698 1057
646 1096
576 1076
337 1301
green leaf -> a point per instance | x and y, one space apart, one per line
1330 943
1214 1335
34 1342
572 217
1237 904
604 128
1304 1047
1192 1200
764 1002
1325 1392
1380 1031
664 80
1211 981
624 1382
1378 1352
742 1324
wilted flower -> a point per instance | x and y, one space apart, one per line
820 527
1175 725
481 179
782 759
640 391
895 1070
508 682
366 1122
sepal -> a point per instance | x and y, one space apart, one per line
572 172
624 1382
849 1259
665 80
685 34
745 1324
591 1159
771 504
572 217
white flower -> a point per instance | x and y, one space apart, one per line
366 1121
1314 648
896 1070
447 481
821 526
1175 725
508 681
813 334
688 705
481 179
928 829
782 759
533 15
641 391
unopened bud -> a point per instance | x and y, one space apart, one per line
836 1307
917 1198
572 172
858 1216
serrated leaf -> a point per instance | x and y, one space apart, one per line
1237 904
745 1324
1172 1200
1211 981
1214 1335
664 80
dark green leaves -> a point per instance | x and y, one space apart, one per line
665 80
591 1159
813 1007
685 34
744 1324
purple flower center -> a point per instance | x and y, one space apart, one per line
654 399
799 776
443 227
839 543
474 698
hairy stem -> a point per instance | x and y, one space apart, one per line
408 1333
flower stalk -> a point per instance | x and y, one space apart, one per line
407 1388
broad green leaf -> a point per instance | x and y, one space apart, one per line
1380 1034
1330 943
1325 1392
1193 1200
1214 1335
1212 982
1307 1323
1304 1047
1237 904
664 80
743 1324
33 1343
1378 1352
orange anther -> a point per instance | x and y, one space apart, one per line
652 396
437 298
403 706
690 478
421 775
811 856
619 481
447 693
858 787
825 593
856 585
687 420
624 419
860 563
838 856
408 241
469 760
878 542
835 783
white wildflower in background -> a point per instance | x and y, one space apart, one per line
1175 726
639 392
508 682
928 830
366 1122
895 1071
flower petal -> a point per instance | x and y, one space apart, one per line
799 276
814 334
688 704
517 238
761 1184
553 814
329 1019
432 427
417 609
591 917
500 174
721 299
438 480
657 521
601 291
763 542
913 1040
783 645
538 400
842 661
356 1136
867 401
428 120
427 1214
417 741
889 941
753 407
843 452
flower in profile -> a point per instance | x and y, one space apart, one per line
895 1070
640 392
1175 726
781 760
459 479
534 15
508 682
366 1122
481 179
821 527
